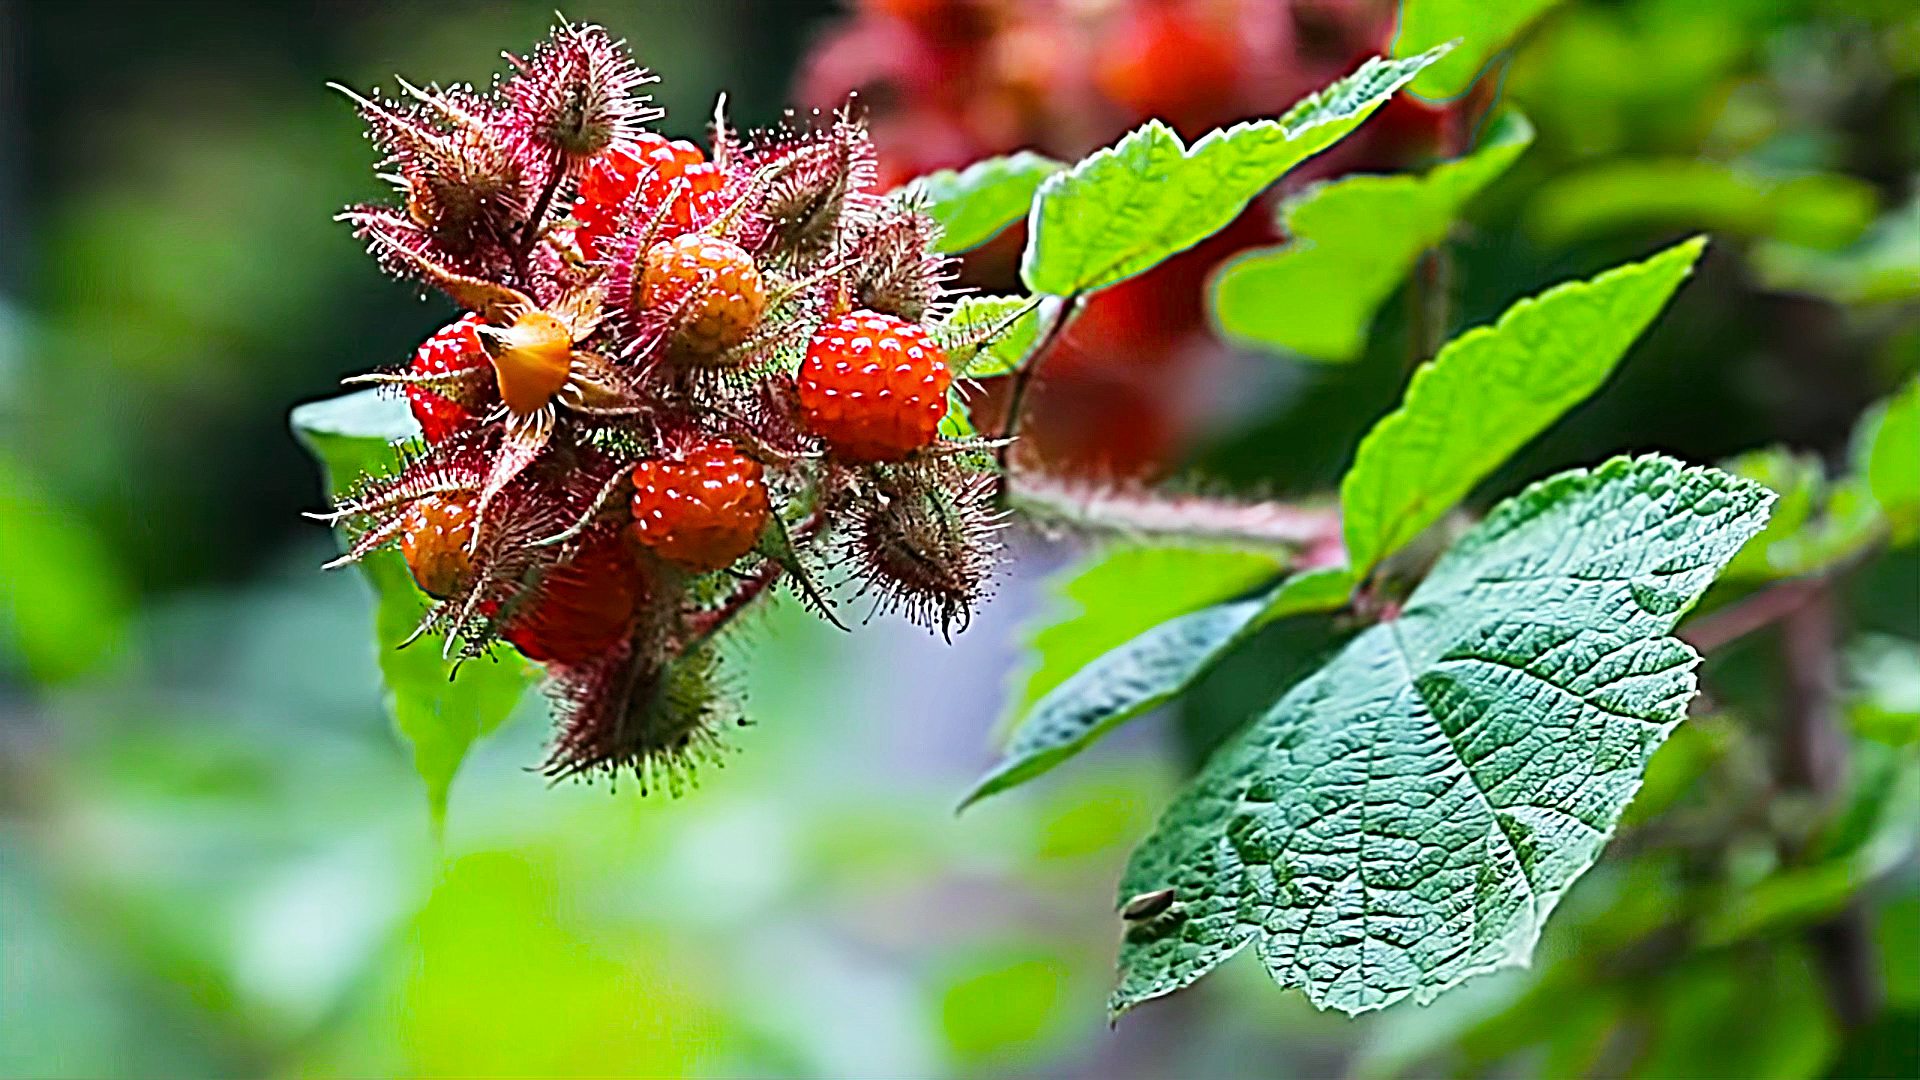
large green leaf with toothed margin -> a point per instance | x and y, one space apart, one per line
1409 815
1148 196
1351 243
973 204
440 711
1489 392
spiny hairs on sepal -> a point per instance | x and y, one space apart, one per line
445 151
573 96
624 712
926 543
815 185
896 269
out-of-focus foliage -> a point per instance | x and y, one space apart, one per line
1364 233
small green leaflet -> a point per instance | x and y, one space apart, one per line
1489 392
1148 196
1125 591
1479 28
972 353
439 713
973 204
1147 671
1408 816
1353 240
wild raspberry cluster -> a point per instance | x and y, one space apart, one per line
680 379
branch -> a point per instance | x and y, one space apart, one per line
1023 378
1140 513
1753 613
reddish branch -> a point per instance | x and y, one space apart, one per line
1757 612
1139 512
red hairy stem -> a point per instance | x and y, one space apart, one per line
1139 512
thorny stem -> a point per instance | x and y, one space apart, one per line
707 624
1023 378
1139 512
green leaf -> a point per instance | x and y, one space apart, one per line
1478 28
1409 815
1148 671
1893 463
1819 210
973 204
1353 241
1148 196
972 353
1121 593
1489 392
440 711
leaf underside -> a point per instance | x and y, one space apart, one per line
1409 815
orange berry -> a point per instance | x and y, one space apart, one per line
701 509
714 285
435 539
873 387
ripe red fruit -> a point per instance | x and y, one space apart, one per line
435 539
713 284
660 170
454 347
702 509
583 608
873 387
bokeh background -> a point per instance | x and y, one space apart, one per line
215 859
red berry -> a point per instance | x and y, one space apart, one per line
712 283
873 387
660 169
701 509
583 608
454 347
435 540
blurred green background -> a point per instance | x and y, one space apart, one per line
215 858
